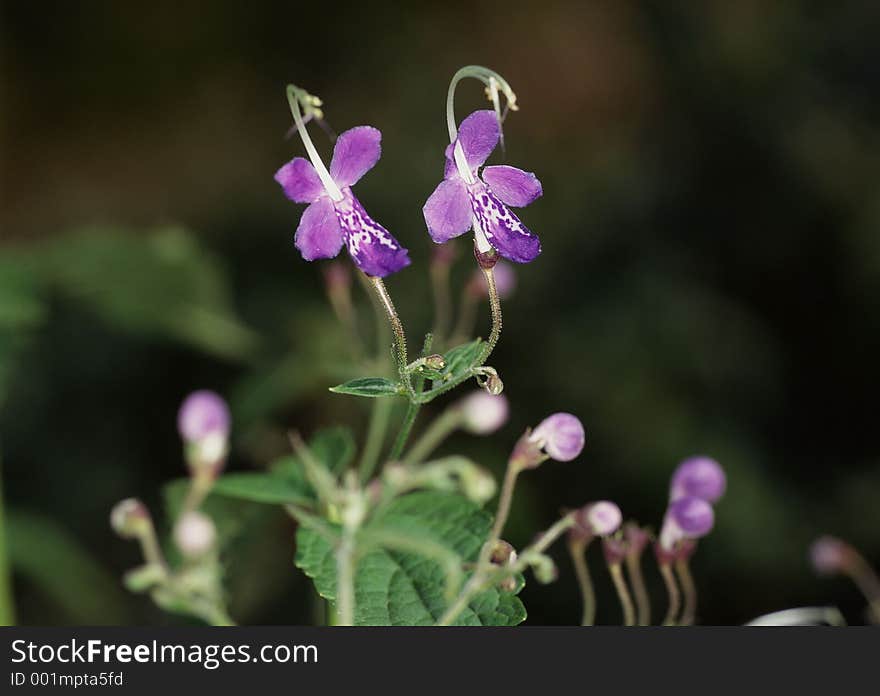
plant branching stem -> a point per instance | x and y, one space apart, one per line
495 309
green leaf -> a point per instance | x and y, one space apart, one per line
369 386
407 589
286 482
334 447
461 359
259 487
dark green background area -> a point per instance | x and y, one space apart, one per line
710 279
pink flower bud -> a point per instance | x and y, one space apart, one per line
598 519
561 436
686 518
701 477
195 534
203 414
483 413
830 555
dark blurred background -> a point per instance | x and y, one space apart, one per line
710 280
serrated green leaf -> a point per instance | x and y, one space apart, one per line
407 589
260 487
369 386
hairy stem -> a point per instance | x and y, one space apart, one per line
400 352
672 592
637 579
629 614
577 549
505 499
495 309
412 410
689 590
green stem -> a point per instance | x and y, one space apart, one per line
400 352
379 418
486 575
7 600
689 590
577 549
412 410
441 428
629 614
643 602
505 500
672 592
345 569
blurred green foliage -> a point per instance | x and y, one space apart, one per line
710 280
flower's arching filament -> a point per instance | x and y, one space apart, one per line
311 104
493 82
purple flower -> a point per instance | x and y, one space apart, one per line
686 518
328 223
700 477
561 436
457 204
203 414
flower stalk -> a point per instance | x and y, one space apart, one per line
577 549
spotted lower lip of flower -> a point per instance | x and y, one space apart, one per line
329 223
483 204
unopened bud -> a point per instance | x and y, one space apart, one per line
130 519
486 259
544 568
615 549
482 413
601 518
561 436
435 362
195 534
477 484
503 553
830 555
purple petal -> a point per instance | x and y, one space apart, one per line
478 135
300 181
448 211
371 246
319 235
450 170
502 228
356 152
513 186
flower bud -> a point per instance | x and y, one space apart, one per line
830 555
195 534
477 484
503 553
482 413
636 537
700 477
615 549
203 414
130 519
686 518
601 518
435 362
561 436
544 568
